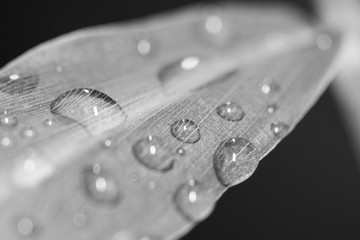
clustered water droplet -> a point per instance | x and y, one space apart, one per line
232 161
194 201
18 83
100 186
230 111
185 130
154 153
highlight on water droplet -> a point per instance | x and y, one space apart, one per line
173 69
324 42
100 186
194 201
154 153
230 111
8 121
279 129
17 83
269 86
25 227
185 130
232 161
92 109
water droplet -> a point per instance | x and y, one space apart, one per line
107 143
6 141
230 111
154 153
25 227
181 151
194 201
171 70
48 122
279 129
269 86
152 185
17 83
91 108
232 161
186 131
100 187
324 42
28 132
213 22
59 68
9 121
79 220
272 108
144 47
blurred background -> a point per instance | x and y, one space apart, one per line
307 188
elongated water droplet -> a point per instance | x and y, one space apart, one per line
230 111
154 153
91 108
8 121
18 83
269 86
186 131
279 129
232 161
25 227
194 201
173 69
100 187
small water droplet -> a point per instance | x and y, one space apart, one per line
154 153
269 86
186 131
9 121
272 108
25 227
107 143
324 42
59 68
194 201
152 185
230 111
173 69
18 83
6 141
91 108
181 151
48 122
79 220
144 47
28 132
279 129
232 161
100 187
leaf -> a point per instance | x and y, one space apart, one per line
134 131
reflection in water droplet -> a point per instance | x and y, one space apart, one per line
279 129
6 141
186 131
89 107
25 227
8 121
269 86
232 161
181 151
171 70
194 201
230 111
18 83
100 187
324 42
154 153
48 122
272 108
28 132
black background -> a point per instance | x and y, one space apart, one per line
307 188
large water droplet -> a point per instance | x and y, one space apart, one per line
91 108
185 130
100 187
25 227
18 83
154 153
232 161
279 129
173 69
8 121
194 201
230 111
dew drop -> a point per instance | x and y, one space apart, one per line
181 151
91 108
100 187
232 161
279 129
9 121
194 201
28 132
269 86
25 227
230 111
6 141
185 130
17 83
173 69
154 153
324 42
271 108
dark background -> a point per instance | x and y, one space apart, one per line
307 188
